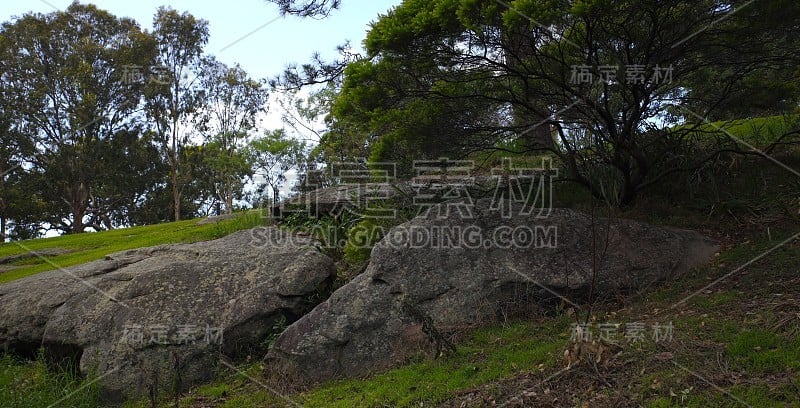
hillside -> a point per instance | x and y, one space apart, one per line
490 203
733 337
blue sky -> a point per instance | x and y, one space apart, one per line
238 28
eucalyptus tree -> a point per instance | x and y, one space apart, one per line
307 8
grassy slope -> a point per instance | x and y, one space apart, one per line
756 131
91 246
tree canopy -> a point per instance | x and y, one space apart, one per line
105 124
601 84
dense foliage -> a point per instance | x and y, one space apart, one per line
601 85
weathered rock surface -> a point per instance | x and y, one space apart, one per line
456 271
165 316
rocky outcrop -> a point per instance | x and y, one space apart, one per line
164 317
463 268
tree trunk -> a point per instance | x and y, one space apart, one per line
229 204
176 193
174 155
79 197
228 197
275 196
539 137
174 161
517 47
3 208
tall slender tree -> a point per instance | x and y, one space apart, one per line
173 88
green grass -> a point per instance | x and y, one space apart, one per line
32 385
712 300
214 390
719 333
487 355
92 246
491 354
761 352
27 384
761 131
737 348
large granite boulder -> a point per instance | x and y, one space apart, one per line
163 318
465 266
